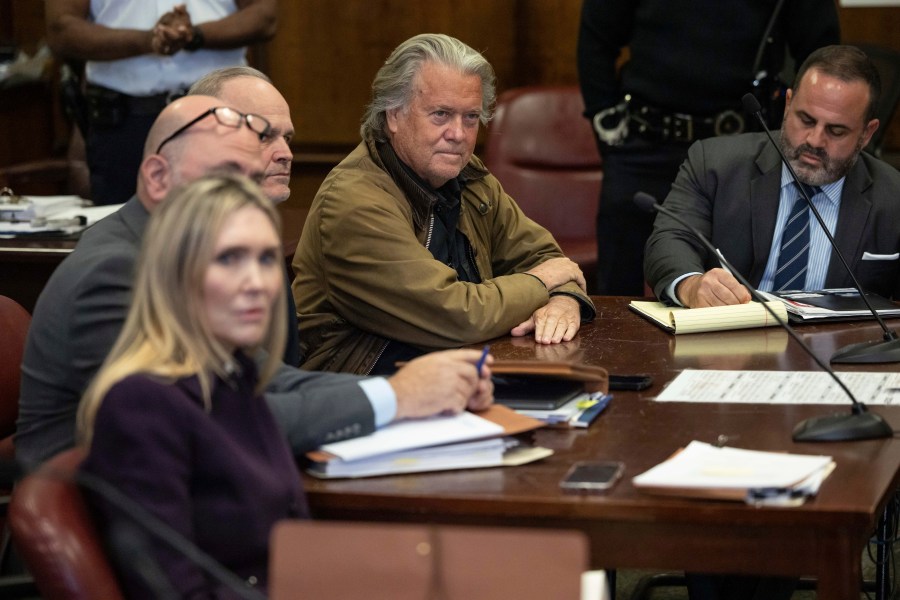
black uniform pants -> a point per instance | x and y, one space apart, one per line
622 228
114 156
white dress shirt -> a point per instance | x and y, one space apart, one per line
151 73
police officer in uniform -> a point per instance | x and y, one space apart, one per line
691 62
142 54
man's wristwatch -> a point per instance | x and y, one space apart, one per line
197 40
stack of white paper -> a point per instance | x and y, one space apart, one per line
462 441
33 207
705 471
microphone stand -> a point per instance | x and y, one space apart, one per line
884 351
860 424
132 553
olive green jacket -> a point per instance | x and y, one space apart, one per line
364 274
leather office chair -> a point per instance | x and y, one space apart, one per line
14 322
542 149
373 561
55 534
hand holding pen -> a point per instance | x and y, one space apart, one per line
484 355
484 395
450 371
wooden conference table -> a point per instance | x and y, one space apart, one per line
628 529
27 263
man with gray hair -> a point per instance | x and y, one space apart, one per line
83 307
411 245
251 91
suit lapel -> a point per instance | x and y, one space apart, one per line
856 205
764 193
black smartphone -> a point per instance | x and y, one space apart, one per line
630 382
592 475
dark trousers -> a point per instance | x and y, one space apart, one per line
114 156
622 228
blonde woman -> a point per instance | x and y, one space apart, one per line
175 417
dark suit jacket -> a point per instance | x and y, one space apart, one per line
77 319
728 188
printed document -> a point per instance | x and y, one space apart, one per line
781 387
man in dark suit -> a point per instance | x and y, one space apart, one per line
737 192
83 306
251 91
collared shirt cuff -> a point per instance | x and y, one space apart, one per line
670 291
383 399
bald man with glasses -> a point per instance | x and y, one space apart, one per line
83 306
225 116
81 310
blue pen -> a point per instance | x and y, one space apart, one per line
483 358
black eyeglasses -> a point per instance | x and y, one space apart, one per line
228 117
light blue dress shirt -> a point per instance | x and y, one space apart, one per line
382 397
151 74
828 203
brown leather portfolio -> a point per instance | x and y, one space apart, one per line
596 379
393 561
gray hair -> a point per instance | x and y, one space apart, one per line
211 83
393 85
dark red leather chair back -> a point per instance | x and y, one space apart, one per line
56 537
542 149
14 322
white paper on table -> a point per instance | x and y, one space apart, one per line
703 466
33 207
415 433
781 387
91 214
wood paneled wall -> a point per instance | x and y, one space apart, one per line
326 54
326 63
881 27
31 124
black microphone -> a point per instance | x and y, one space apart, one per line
130 539
883 351
860 424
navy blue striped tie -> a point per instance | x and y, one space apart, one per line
793 257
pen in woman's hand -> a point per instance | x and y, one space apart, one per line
484 355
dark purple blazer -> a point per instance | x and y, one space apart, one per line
221 478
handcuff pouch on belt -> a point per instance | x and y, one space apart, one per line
631 118
611 124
